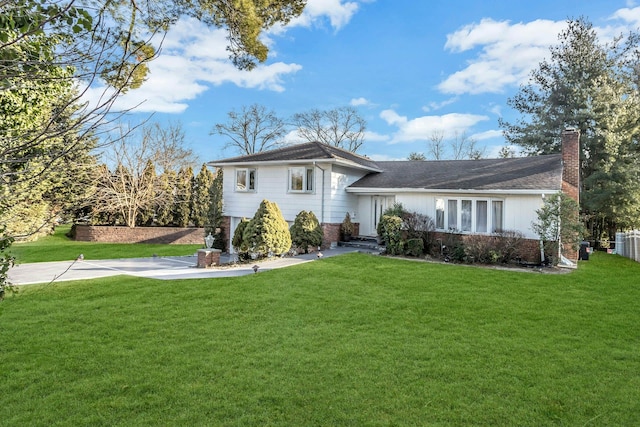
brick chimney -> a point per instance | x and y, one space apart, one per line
571 177
571 163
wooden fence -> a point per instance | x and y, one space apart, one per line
628 244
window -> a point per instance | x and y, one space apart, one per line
469 215
496 222
453 215
245 179
440 214
301 179
481 216
466 223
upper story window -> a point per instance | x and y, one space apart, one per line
470 215
301 179
245 179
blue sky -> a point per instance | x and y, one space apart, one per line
410 67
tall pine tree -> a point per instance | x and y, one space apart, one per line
200 198
591 86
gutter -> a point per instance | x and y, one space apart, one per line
322 194
378 190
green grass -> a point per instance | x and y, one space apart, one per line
59 247
349 340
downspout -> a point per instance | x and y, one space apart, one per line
321 195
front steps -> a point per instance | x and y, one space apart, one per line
364 243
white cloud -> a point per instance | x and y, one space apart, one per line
438 105
507 52
630 15
338 12
503 53
356 102
490 134
421 128
375 137
193 57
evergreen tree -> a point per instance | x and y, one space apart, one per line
181 208
267 233
167 188
306 231
146 212
200 197
215 218
591 86
240 245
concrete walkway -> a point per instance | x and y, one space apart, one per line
163 268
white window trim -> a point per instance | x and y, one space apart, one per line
304 180
474 218
247 174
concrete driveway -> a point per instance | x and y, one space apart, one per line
163 268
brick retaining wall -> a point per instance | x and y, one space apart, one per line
117 234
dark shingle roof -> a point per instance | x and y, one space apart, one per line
305 151
523 173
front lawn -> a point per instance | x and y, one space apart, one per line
349 340
58 247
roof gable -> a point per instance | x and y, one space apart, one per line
309 151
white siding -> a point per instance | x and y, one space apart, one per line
272 185
338 201
519 210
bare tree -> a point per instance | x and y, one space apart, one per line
132 186
169 146
252 130
465 147
435 146
341 127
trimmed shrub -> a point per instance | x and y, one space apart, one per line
502 248
511 245
267 233
238 243
347 227
414 247
481 249
391 233
394 210
419 226
306 231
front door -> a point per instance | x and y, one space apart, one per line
379 204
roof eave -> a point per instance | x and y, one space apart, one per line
341 162
270 162
379 190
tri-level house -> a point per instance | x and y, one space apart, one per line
463 196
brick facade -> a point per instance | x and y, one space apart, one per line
571 164
165 235
571 176
331 234
226 228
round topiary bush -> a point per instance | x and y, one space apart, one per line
306 231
